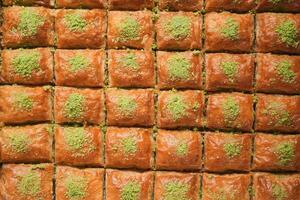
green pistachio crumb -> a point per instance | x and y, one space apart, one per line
288 33
221 195
18 142
76 187
126 105
130 191
285 152
231 110
279 115
73 107
230 29
175 190
178 27
230 69
232 149
29 184
29 22
26 62
178 67
78 62
176 106
129 145
23 102
284 70
129 61
182 149
129 29
75 22
278 192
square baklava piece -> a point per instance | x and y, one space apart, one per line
90 4
230 5
174 5
130 4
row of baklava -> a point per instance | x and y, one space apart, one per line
224 31
136 69
133 148
35 182
175 109
174 5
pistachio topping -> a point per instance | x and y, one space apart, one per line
76 187
230 69
176 106
178 67
232 149
220 194
284 70
29 184
23 102
75 22
73 107
129 145
230 29
26 62
278 192
126 105
182 148
129 61
285 152
18 142
130 191
29 22
129 29
288 33
279 115
231 110
178 27
175 190
78 62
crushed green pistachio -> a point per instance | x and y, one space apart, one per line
29 22
129 145
178 67
221 195
29 184
288 33
280 116
76 187
26 62
129 61
231 110
178 27
176 106
73 107
279 192
75 22
129 29
229 69
182 149
78 62
230 29
130 191
285 152
232 149
284 70
175 190
18 142
23 101
126 105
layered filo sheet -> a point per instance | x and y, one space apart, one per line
20 104
18 31
27 66
187 5
26 144
230 5
79 68
129 148
44 3
127 29
26 182
91 4
130 4
278 6
78 28
78 105
131 68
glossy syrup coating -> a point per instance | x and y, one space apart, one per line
44 3
92 4
27 66
79 68
30 27
20 104
26 144
131 68
130 4
80 28
129 148
178 150
184 5
230 5
279 6
278 74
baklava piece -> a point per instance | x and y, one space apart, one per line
230 186
78 105
179 70
83 184
130 107
26 144
178 31
173 185
184 5
278 74
230 5
128 185
228 111
80 28
278 113
44 3
79 146
91 4
20 104
30 27
130 4
24 182
229 72
178 150
130 30
79 68
129 148
276 152
280 187
180 109
227 152
229 32
131 68
27 66
278 33
278 5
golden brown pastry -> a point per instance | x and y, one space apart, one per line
27 26
26 182
78 105
80 28
129 148
81 4
130 4
131 68
84 184
128 185
281 6
44 3
20 104
184 5
79 68
179 70
231 5
178 150
229 32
